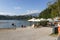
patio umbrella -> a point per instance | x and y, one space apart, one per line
34 20
50 20
42 19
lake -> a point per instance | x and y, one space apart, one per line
18 23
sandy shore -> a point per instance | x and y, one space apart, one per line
42 33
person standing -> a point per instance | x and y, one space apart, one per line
58 31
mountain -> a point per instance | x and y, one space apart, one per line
23 17
34 14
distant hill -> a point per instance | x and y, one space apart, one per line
34 14
20 17
6 17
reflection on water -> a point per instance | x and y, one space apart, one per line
18 23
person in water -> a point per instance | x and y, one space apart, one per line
14 25
22 26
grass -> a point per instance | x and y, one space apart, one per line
54 35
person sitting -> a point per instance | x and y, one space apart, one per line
22 26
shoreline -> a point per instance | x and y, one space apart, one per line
21 28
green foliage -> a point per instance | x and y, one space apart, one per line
45 14
43 23
51 12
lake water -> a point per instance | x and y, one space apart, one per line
18 23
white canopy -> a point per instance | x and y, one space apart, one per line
42 19
50 20
34 20
37 20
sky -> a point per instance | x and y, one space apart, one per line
22 7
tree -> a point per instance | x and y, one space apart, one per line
52 11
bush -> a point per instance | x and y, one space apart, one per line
43 23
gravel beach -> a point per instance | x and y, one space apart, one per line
42 33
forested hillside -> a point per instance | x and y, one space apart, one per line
52 11
6 17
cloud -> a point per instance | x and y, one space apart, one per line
31 12
7 13
14 13
3 13
17 8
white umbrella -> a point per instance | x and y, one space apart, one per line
31 19
34 20
37 20
56 20
42 19
50 20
